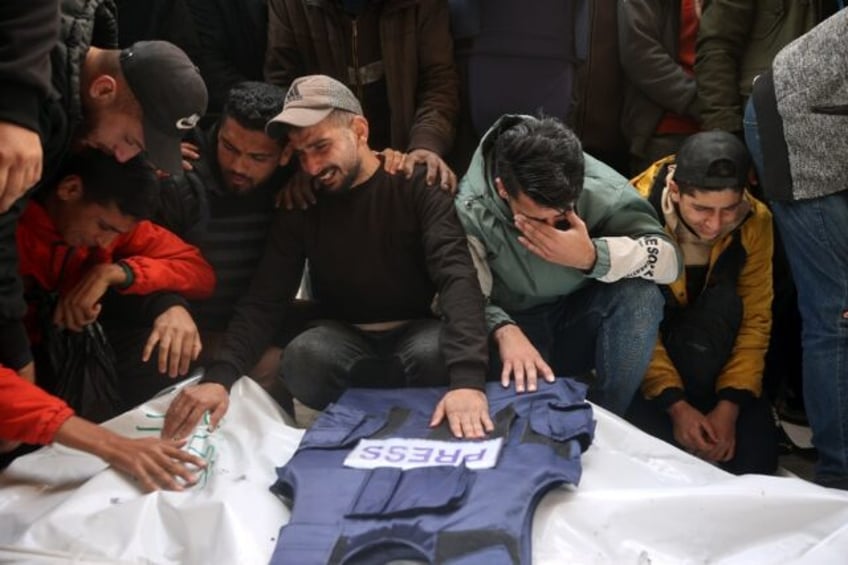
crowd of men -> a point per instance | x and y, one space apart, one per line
168 242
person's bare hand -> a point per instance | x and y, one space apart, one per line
393 160
570 248
298 192
81 305
692 430
20 162
178 338
190 152
191 403
520 359
467 412
154 463
723 420
437 169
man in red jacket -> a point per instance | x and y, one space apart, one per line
84 236
29 414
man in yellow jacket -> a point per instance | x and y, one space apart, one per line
702 390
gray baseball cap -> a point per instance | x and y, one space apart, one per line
309 100
172 95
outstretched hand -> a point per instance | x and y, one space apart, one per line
520 359
178 338
151 462
155 463
191 403
467 413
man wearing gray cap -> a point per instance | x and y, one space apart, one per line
121 102
380 247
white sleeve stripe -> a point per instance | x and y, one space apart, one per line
648 257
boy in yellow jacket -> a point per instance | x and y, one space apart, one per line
702 390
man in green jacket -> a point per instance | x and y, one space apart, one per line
568 255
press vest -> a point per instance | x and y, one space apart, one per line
428 500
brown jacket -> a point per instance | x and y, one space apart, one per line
308 37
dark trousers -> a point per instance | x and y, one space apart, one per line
320 363
756 432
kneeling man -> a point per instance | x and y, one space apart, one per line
380 247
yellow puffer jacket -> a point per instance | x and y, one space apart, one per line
744 369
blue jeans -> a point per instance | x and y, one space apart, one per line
322 362
815 236
609 327
752 137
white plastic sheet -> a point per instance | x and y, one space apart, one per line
640 501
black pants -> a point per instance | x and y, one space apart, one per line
756 433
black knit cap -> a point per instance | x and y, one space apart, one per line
713 159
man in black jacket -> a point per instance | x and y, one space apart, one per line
379 247
225 204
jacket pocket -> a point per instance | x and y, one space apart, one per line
563 422
388 492
340 426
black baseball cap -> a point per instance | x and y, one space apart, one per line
713 159
172 95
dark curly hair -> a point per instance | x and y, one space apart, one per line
252 104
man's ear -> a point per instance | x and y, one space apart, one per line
103 89
70 188
673 191
500 188
286 154
359 125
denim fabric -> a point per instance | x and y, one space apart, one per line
752 137
322 362
816 242
608 327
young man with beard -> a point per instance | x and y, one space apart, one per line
379 248
224 204
703 388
